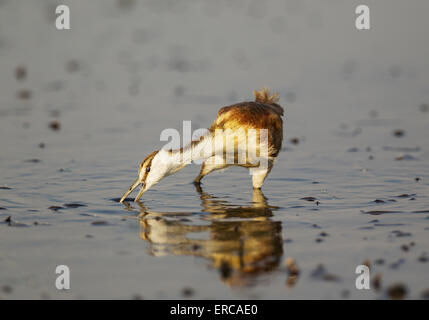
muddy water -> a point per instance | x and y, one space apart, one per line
80 108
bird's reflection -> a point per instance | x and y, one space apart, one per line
242 242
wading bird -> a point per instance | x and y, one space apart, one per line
246 134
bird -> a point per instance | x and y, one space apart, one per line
247 134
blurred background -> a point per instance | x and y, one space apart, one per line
80 108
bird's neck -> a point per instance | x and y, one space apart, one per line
193 152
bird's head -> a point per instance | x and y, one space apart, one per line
151 170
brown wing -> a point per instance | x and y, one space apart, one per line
249 115
253 115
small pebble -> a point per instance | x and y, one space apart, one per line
20 73
405 248
99 223
398 133
187 292
55 125
6 289
377 281
294 141
425 294
423 258
397 291
321 274
345 294
72 66
24 94
424 107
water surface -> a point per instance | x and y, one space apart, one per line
86 105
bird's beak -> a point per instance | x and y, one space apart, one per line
130 189
142 190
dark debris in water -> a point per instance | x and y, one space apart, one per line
405 248
398 133
397 291
20 73
188 292
11 223
54 125
378 212
405 195
24 94
400 234
55 208
401 149
311 199
6 289
99 223
74 205
294 141
425 294
424 107
34 160
423 258
397 264
320 273
406 157
72 66
126 199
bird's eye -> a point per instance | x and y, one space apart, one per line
147 169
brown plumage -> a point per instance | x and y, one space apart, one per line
263 113
235 125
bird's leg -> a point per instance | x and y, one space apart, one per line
259 175
209 165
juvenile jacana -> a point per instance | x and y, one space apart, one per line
234 126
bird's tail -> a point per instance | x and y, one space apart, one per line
264 96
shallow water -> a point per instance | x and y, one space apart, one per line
100 95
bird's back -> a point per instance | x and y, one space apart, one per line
263 113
